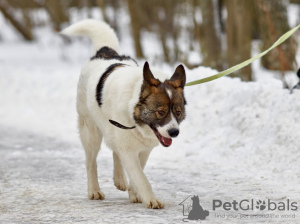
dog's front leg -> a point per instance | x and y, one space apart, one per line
133 195
132 165
120 180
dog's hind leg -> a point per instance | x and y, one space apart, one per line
91 139
119 176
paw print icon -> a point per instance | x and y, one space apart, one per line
261 205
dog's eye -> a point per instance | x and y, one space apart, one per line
177 111
161 113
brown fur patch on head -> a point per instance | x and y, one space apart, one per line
148 76
178 79
178 101
155 105
153 101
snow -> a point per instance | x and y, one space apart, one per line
240 140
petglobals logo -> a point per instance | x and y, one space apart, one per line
192 208
195 208
250 205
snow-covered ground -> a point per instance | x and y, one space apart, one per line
239 141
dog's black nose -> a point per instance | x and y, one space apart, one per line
173 132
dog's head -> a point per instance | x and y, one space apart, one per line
161 105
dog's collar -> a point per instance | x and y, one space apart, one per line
120 125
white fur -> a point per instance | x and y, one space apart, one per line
163 130
169 92
99 32
120 94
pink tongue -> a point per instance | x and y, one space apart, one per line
166 141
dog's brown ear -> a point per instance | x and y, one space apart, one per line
148 76
178 79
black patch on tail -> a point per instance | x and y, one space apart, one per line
104 76
298 73
107 53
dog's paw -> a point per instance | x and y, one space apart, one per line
154 204
133 197
96 195
121 184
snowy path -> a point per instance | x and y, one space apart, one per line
43 180
240 140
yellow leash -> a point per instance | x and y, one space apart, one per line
247 62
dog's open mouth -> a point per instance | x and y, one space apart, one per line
163 140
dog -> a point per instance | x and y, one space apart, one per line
114 93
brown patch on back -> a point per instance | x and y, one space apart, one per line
108 53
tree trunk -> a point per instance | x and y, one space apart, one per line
101 5
209 39
23 29
58 12
239 33
273 23
165 27
135 27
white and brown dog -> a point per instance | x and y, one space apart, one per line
114 91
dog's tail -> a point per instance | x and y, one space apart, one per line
99 32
